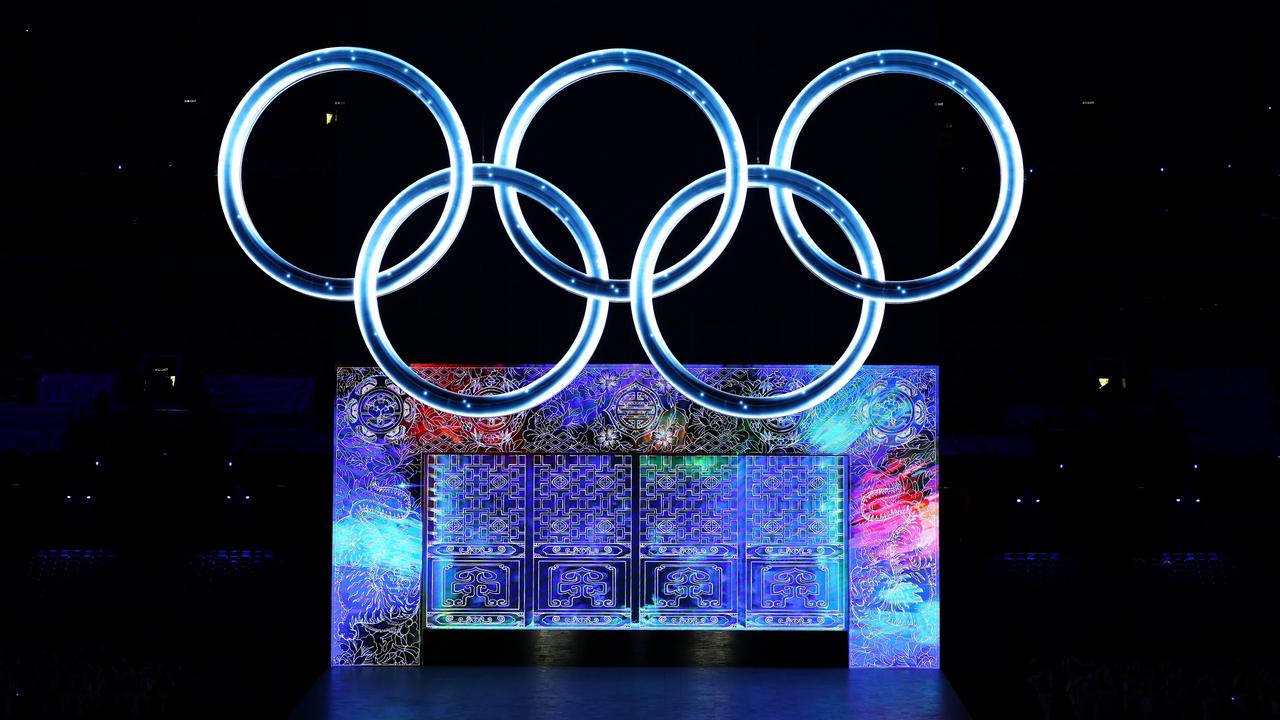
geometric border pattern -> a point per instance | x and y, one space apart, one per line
476 540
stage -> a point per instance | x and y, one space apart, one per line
627 693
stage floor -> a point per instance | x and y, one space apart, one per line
629 693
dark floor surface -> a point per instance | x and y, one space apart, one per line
629 693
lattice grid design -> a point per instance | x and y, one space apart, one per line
794 510
476 542
691 541
582 536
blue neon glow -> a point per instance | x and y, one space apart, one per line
646 282
546 541
370 321
1008 151
261 95
709 396
649 65
724 523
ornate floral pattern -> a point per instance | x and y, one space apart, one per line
884 424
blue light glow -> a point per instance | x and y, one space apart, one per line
649 65
721 522
231 160
789 403
646 282
950 76
370 321
725 542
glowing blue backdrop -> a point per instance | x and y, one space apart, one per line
621 504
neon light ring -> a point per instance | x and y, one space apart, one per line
646 281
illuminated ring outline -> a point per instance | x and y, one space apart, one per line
645 283
251 107
993 115
800 399
650 65
370 321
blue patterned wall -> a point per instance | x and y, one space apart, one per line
722 523
691 541
582 530
476 546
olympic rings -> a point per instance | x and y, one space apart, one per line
231 158
1008 151
827 384
370 321
650 65
646 282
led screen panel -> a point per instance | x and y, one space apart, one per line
691 541
765 544
725 542
582 531
477 555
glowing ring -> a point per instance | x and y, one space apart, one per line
650 65
642 282
645 283
231 157
993 115
370 321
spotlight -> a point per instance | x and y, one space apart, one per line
88 497
229 463
228 497
1037 501
246 497
97 463
1195 466
1062 466
1197 500
1019 500
1177 499
68 497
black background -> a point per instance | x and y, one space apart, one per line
116 241
1147 240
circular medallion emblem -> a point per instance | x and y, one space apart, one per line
892 411
636 408
380 410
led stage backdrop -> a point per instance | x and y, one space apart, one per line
621 504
